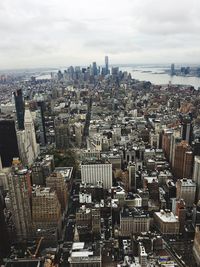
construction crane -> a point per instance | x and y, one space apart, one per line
37 249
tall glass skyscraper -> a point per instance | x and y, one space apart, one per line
20 109
106 65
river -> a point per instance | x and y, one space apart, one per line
157 76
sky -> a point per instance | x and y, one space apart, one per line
53 33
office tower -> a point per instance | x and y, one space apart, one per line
56 181
28 148
8 142
4 238
19 193
172 69
181 213
41 169
196 175
186 129
132 176
78 129
94 69
20 110
43 138
26 152
97 172
183 160
46 212
106 65
175 139
115 71
30 131
186 190
59 75
196 147
166 142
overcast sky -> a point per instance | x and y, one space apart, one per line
36 33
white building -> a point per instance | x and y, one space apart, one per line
93 173
28 148
30 131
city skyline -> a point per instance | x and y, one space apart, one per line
57 33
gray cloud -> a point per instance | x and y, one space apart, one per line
62 32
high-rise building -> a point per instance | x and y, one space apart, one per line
4 239
19 193
30 131
41 169
28 147
166 142
172 69
196 175
196 246
186 129
57 182
183 160
94 69
106 65
43 138
46 211
8 142
181 213
97 172
186 190
20 109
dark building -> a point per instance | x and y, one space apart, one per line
4 240
196 147
20 109
24 263
186 128
43 138
94 69
8 142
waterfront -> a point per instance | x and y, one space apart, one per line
154 75
157 76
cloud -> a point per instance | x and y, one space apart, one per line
60 32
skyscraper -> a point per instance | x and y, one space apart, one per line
20 110
30 131
4 240
19 194
28 147
106 64
8 142
172 69
196 175
43 138
94 68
